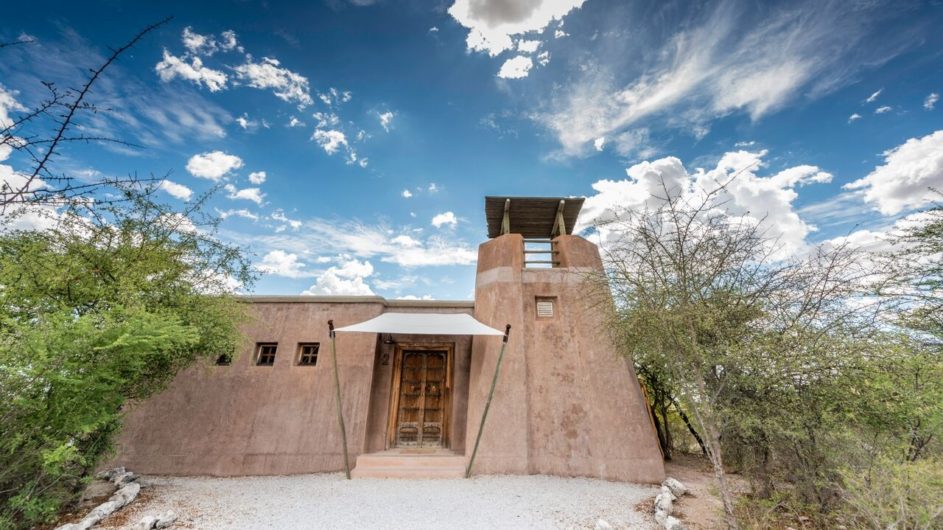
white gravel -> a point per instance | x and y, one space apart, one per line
330 501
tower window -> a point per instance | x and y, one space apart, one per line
265 353
308 353
545 307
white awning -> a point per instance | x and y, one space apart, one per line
423 324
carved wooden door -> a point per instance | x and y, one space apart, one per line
423 399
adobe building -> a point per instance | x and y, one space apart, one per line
564 403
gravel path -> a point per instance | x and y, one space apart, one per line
329 501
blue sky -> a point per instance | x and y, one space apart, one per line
381 125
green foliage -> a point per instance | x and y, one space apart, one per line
104 309
796 373
895 494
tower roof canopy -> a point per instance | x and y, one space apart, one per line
537 217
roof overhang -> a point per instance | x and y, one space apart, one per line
532 217
423 324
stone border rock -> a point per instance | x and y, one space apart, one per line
128 489
671 489
161 520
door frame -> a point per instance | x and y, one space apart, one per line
449 349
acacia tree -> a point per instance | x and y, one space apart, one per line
40 132
104 309
704 305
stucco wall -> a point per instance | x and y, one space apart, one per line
566 403
244 419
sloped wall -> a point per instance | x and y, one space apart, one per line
566 403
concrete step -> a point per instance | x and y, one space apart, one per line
390 464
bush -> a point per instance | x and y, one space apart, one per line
896 494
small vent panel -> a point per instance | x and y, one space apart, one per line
544 307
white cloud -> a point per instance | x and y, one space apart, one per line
444 218
368 242
407 194
931 100
281 263
213 165
905 179
284 222
874 96
527 46
176 190
285 84
854 117
250 194
172 66
882 110
295 122
722 61
516 67
543 58
326 119
346 280
492 23
599 143
331 140
241 212
406 241
748 196
432 188
257 177
386 120
334 96
207 45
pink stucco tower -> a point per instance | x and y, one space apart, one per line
566 402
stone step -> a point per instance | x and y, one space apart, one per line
395 465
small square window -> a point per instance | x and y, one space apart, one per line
308 353
545 307
224 359
265 353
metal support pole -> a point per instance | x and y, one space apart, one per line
484 414
337 390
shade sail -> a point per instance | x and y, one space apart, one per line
423 324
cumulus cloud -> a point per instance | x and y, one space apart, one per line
330 140
527 46
931 100
444 218
386 120
250 194
747 194
281 263
347 279
176 190
257 177
516 67
905 179
198 44
213 165
492 23
407 194
171 67
269 74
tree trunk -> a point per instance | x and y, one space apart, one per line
691 429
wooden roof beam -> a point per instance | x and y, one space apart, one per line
559 225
